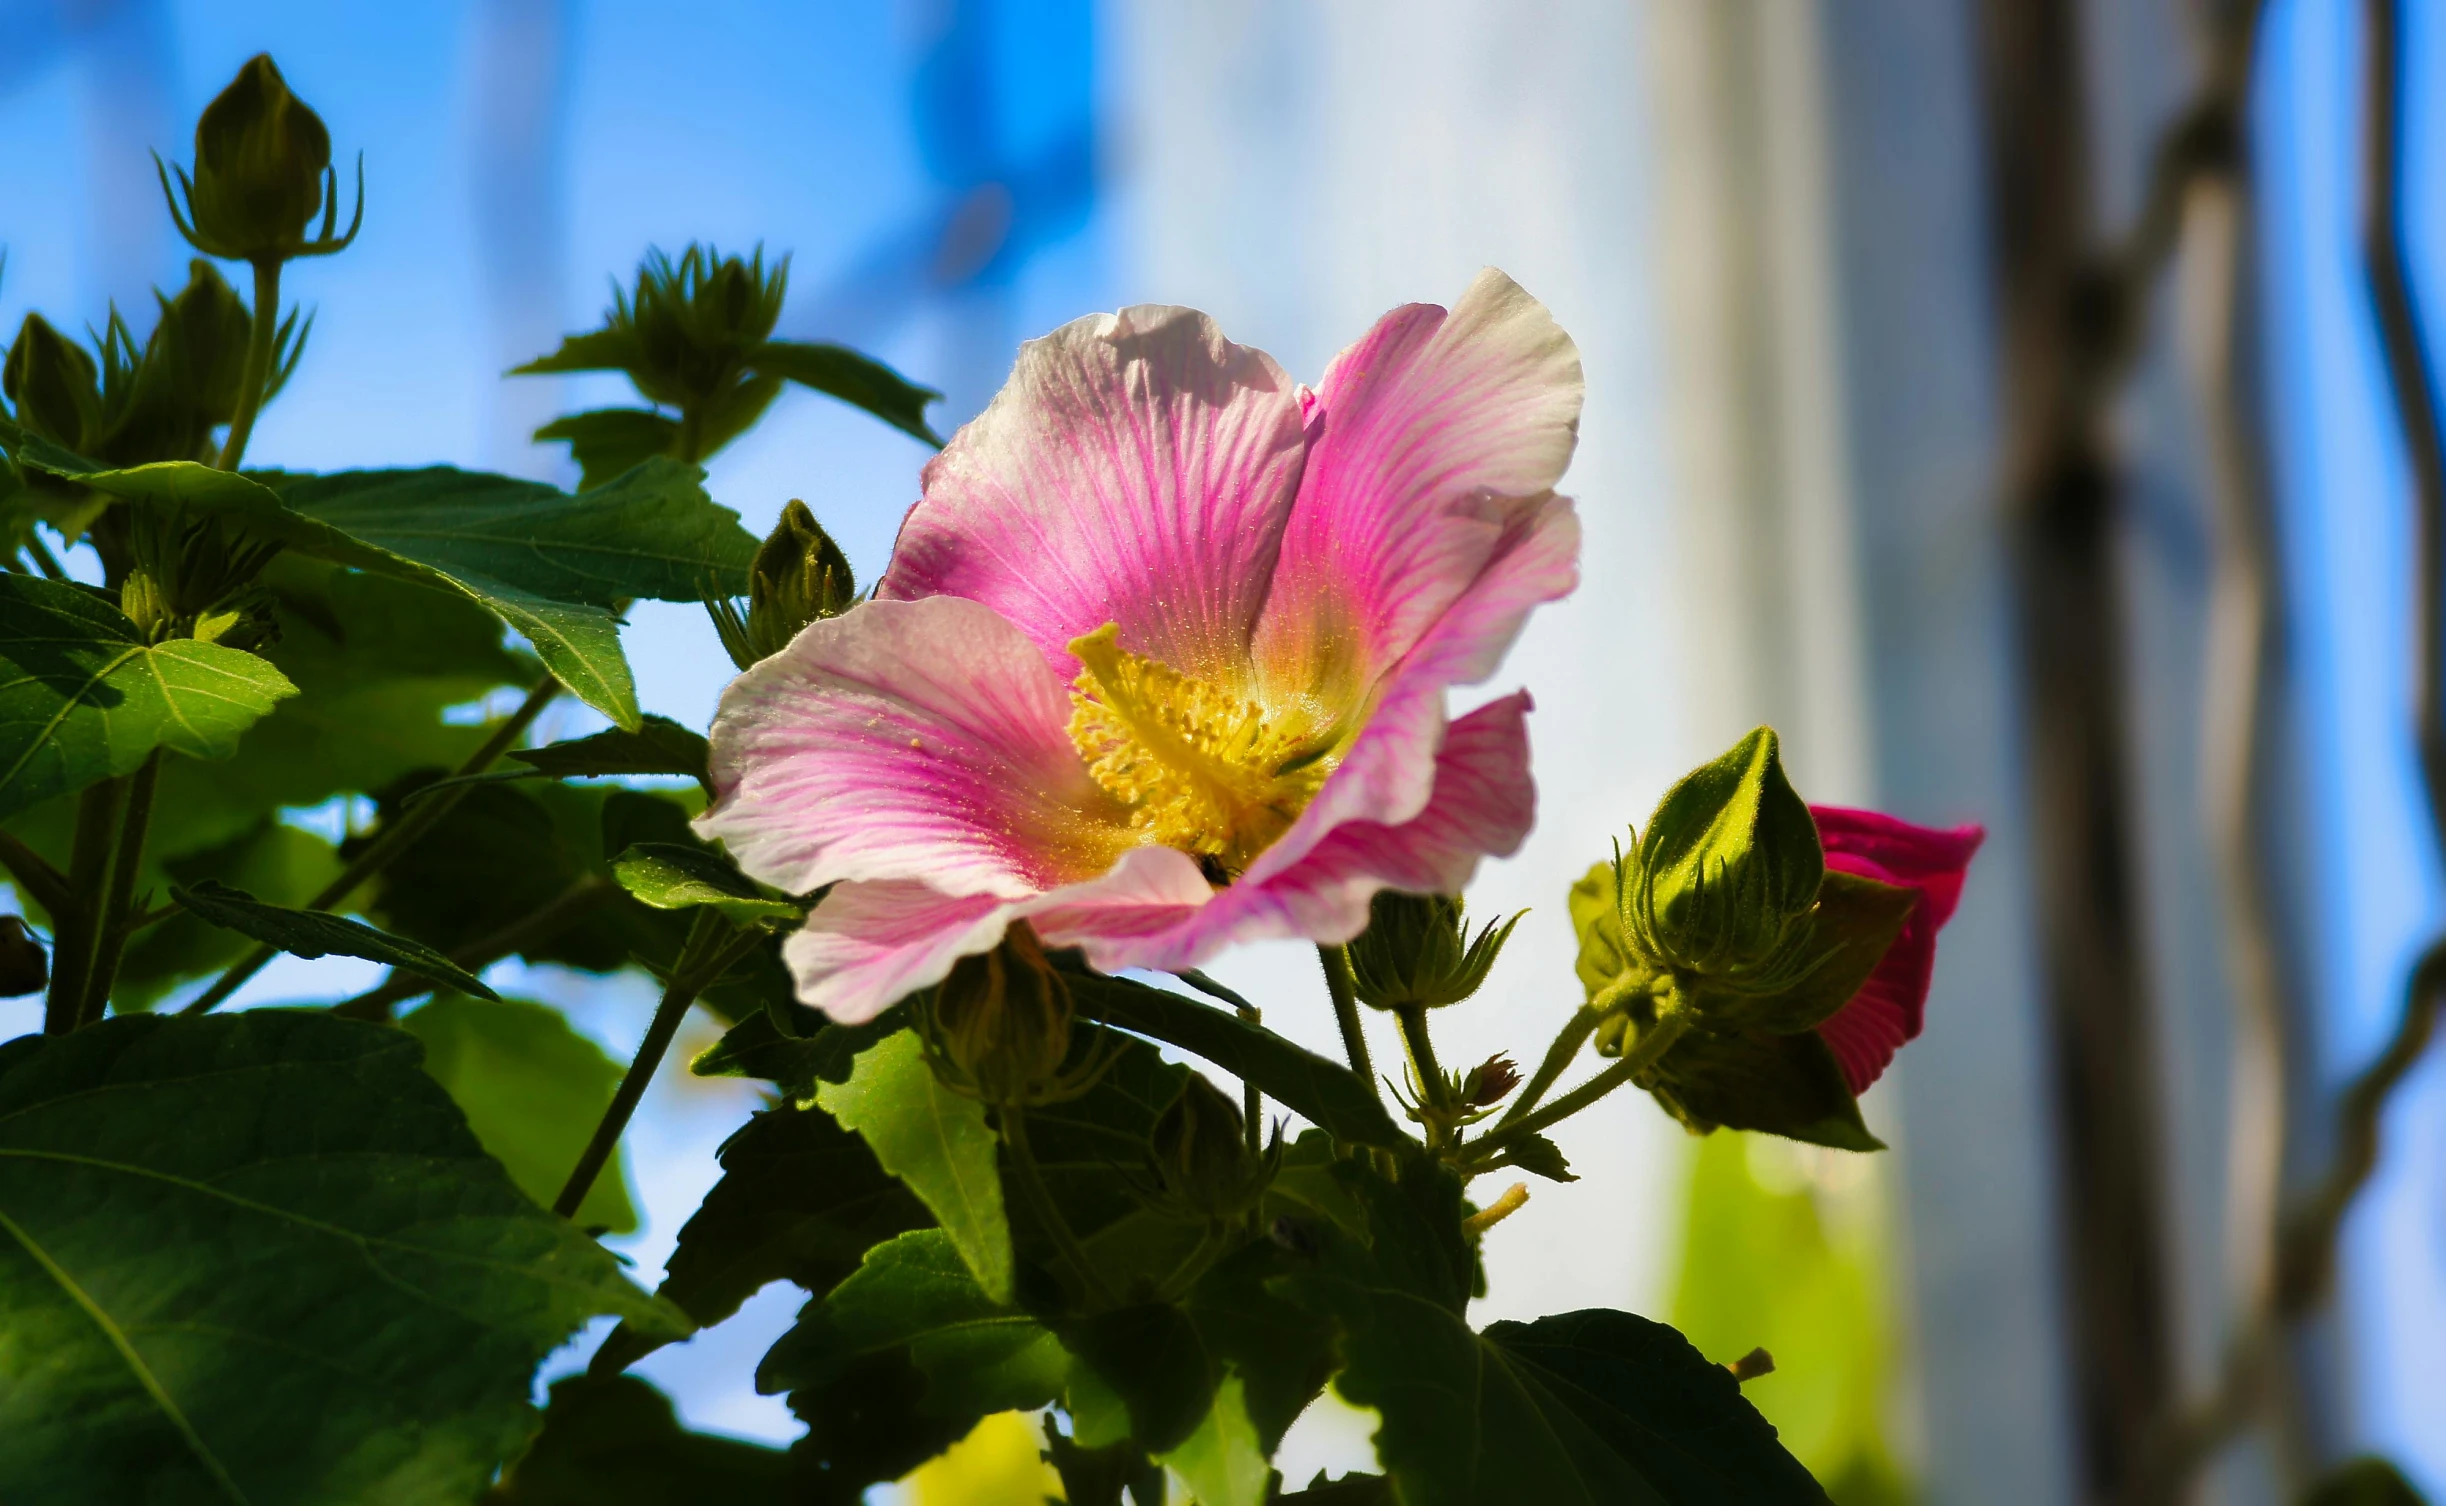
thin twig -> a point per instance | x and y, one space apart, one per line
395 838
1644 1053
1336 962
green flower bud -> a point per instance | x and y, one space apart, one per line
799 576
1417 951
1489 1082
262 171
24 969
52 385
198 346
998 1028
1204 1168
1729 862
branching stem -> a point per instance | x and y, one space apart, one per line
1644 1053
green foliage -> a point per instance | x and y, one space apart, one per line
659 745
2366 1481
532 1089
1596 1407
935 1141
671 877
317 933
86 697
274 862
1799 1267
1417 951
614 1441
1325 1093
801 1200
260 1257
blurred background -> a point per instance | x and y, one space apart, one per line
1992 394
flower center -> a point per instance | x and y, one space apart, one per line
1202 769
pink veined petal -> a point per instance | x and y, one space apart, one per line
1436 429
1136 469
918 740
1890 1009
1484 804
867 946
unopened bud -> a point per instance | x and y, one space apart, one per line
262 171
1730 862
998 1028
1417 951
51 384
692 323
198 346
1490 1082
23 967
1203 1165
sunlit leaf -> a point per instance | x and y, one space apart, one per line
936 1141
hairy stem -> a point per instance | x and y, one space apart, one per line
77 925
1031 1179
395 839
545 921
1336 962
112 929
258 373
709 951
1567 1044
1644 1053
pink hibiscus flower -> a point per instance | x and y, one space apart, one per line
1160 661
1890 1008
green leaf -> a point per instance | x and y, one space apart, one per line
1729 860
274 861
915 1293
1322 1092
860 381
318 933
607 441
1092 1150
1152 1356
1538 1156
1222 1462
533 1090
1598 1408
260 1257
867 1426
937 1142
792 1061
670 877
615 1441
83 697
1787 1085
659 745
597 350
556 567
801 1199
1279 1355
1595 903
2367 1481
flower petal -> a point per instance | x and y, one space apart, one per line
1439 431
867 946
908 740
1484 804
1136 469
1891 1007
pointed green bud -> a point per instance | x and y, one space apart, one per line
685 336
1729 863
262 172
998 1028
1204 1168
52 384
799 576
1417 951
198 346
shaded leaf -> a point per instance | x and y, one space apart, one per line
860 381
274 861
532 1090
2367 1481
84 697
670 877
1152 1356
615 1441
606 441
937 1142
260 1257
659 745
1787 1085
1539 1156
792 1062
318 933
915 1293
1324 1093
867 1426
801 1199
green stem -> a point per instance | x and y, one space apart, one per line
1031 1178
1434 1093
258 372
1336 961
34 876
43 558
547 920
77 927
709 951
1651 1046
396 838
112 931
1567 1043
